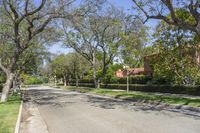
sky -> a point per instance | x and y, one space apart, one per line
126 5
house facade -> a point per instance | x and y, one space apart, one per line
131 71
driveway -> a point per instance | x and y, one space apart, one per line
57 111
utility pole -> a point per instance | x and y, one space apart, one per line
126 67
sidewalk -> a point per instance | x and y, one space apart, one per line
32 122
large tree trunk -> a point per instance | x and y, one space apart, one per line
16 83
55 80
7 86
98 83
94 77
94 69
76 81
65 80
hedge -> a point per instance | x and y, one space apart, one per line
138 79
82 80
174 89
83 84
30 80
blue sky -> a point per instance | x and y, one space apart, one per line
124 4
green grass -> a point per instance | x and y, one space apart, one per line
149 97
8 114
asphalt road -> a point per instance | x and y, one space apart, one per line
72 112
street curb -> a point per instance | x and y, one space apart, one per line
43 121
19 118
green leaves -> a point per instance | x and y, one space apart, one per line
69 65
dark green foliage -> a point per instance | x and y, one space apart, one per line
83 84
1 86
81 81
45 79
138 79
159 80
108 78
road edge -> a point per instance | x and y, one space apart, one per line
17 126
42 120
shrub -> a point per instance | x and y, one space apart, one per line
45 79
83 84
30 80
81 81
137 79
140 79
114 80
86 81
159 81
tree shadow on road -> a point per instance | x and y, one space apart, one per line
47 97
146 107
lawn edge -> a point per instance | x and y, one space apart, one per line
17 127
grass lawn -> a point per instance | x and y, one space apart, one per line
9 113
141 96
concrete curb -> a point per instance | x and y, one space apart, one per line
19 118
43 123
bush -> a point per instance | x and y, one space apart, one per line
86 81
31 80
81 81
45 79
140 79
137 79
83 84
159 81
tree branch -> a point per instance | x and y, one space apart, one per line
174 20
31 12
2 67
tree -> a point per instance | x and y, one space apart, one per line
134 40
183 14
176 55
79 66
21 23
107 29
96 37
35 56
69 66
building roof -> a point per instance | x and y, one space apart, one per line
134 71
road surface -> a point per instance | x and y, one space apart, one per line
59 111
